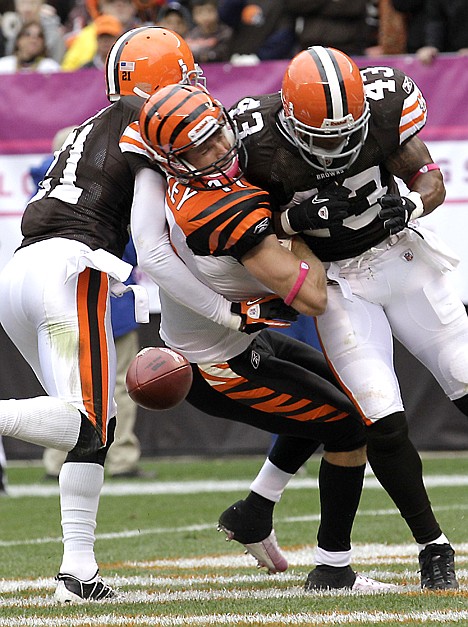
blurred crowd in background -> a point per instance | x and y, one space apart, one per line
66 35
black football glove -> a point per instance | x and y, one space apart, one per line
397 211
259 313
327 209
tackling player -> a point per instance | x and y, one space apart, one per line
336 134
54 292
220 226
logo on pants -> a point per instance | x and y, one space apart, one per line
255 359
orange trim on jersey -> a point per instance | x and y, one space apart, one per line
126 139
413 122
411 108
216 234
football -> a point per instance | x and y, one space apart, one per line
158 378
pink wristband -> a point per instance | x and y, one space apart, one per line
303 270
426 168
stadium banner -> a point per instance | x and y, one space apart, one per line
35 106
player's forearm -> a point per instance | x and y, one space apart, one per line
280 269
409 164
314 294
158 260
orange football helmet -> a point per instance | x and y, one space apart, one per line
146 58
178 118
325 110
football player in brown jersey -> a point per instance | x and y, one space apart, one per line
220 225
55 291
336 134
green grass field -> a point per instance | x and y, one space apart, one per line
157 544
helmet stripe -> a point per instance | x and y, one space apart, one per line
112 73
333 84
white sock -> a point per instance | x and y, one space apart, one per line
442 539
43 420
80 487
332 558
270 481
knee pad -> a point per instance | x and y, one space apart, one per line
388 434
89 449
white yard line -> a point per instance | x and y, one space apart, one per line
123 488
257 619
130 533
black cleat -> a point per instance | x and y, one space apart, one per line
437 563
325 577
70 589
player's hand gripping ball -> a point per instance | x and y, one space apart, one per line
158 378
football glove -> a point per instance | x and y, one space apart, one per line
260 313
397 211
327 209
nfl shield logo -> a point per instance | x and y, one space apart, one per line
408 255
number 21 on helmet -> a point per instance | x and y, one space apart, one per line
147 58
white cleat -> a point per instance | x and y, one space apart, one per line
366 584
266 552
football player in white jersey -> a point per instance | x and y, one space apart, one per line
336 134
221 227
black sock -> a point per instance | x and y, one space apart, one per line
340 492
262 506
398 467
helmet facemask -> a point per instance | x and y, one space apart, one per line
220 173
181 118
325 113
334 146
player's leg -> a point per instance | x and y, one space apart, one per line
286 394
438 336
29 285
250 520
82 475
357 339
38 308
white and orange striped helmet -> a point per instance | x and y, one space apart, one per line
325 110
147 58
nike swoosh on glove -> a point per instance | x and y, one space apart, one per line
260 313
327 209
397 211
